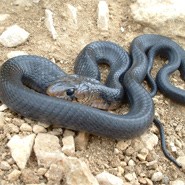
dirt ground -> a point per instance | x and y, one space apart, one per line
100 151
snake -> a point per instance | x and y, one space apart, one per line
26 81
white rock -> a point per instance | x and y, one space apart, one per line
157 176
4 165
3 17
25 127
131 177
12 128
12 54
160 15
103 15
3 107
77 172
68 145
150 140
106 178
39 129
131 163
47 149
181 160
81 140
36 1
1 120
50 24
21 149
72 14
177 182
13 36
143 154
14 175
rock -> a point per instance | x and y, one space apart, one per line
14 175
181 160
29 176
54 174
26 127
4 165
160 15
47 149
39 129
123 145
81 140
3 107
177 182
41 171
12 54
157 176
131 163
150 140
11 128
72 13
103 15
36 1
68 133
68 145
13 36
50 24
149 182
77 172
143 154
21 149
3 17
131 177
1 120
106 178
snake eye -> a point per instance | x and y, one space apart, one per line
70 92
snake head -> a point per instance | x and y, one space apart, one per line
82 89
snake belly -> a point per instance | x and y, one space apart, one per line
19 73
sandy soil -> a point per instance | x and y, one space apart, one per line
100 151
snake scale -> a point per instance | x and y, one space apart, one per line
24 81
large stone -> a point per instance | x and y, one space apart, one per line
150 140
68 145
13 36
160 15
77 172
47 149
21 149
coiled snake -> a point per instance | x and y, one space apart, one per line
24 81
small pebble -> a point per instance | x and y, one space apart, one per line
68 145
123 145
12 54
3 107
25 127
68 133
1 120
39 129
157 176
177 182
106 178
4 165
3 17
14 175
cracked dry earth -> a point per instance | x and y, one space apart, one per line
132 161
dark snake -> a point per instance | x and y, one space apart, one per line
24 81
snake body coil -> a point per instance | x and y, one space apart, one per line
19 75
